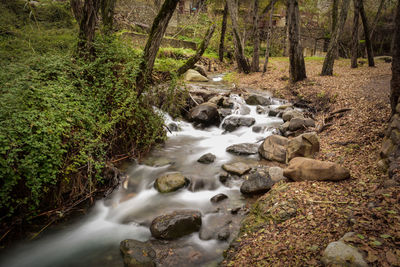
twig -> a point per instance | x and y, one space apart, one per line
340 111
38 233
324 127
120 159
193 99
6 233
331 202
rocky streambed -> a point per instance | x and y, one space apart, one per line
183 204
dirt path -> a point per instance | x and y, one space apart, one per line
322 212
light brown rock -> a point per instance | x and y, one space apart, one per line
305 169
305 145
274 148
238 168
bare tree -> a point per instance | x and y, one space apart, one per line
375 22
241 60
297 69
368 44
335 14
395 83
77 8
255 63
327 68
268 41
355 38
223 31
157 32
200 51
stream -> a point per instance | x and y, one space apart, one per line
94 238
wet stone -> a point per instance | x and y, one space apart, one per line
243 149
136 253
218 198
207 158
238 168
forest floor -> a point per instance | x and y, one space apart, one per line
325 211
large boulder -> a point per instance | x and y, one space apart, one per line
200 69
217 100
137 254
300 123
339 253
176 224
258 100
274 148
305 169
290 114
170 182
194 76
206 114
238 168
257 183
232 123
243 149
305 145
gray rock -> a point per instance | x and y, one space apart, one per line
341 254
238 168
274 148
170 182
305 145
309 122
176 224
200 69
283 128
218 198
273 112
206 114
244 110
217 100
262 110
225 112
258 129
137 254
173 127
227 103
232 123
290 114
300 123
194 76
276 174
243 149
258 100
216 226
207 158
256 183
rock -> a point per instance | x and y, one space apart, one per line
273 112
282 211
276 174
258 129
283 128
309 122
224 112
341 254
238 168
232 123
216 226
387 148
258 100
194 76
290 114
137 254
207 158
217 100
262 110
305 145
173 127
223 177
218 198
256 183
170 182
244 110
227 103
243 149
300 123
176 224
157 161
305 169
285 107
206 114
200 69
274 148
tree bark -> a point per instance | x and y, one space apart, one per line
87 27
157 32
286 37
395 83
242 63
200 51
255 63
335 14
107 14
297 69
327 68
368 44
375 22
223 31
268 41
77 9
355 37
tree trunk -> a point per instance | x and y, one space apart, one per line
157 32
268 41
335 14
223 31
368 44
355 39
107 14
286 37
255 63
243 65
200 51
77 9
375 22
157 4
329 61
297 68
395 83
87 27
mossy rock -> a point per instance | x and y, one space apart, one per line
170 182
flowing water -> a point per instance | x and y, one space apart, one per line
93 240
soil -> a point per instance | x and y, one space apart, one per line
365 204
